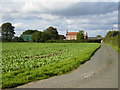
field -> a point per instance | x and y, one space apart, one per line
26 62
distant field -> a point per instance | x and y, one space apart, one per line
26 62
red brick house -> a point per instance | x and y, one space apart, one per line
71 35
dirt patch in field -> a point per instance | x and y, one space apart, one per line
49 55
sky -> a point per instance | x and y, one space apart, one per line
93 16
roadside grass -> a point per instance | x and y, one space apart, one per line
115 47
26 75
113 42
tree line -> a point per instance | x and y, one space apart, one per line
7 34
112 37
51 33
48 34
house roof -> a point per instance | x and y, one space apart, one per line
27 37
71 33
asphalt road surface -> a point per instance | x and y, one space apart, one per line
101 71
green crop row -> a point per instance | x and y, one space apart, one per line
26 62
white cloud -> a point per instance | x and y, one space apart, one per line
41 1
99 0
48 16
44 6
7 9
32 7
0 24
70 21
18 33
40 15
19 25
115 26
93 33
60 1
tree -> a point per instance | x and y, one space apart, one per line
7 32
51 33
28 32
18 39
45 36
61 37
80 35
98 36
37 36
27 35
112 33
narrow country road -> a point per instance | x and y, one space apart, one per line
99 72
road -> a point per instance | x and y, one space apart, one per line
101 71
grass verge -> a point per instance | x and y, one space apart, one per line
114 47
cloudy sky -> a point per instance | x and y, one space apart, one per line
92 16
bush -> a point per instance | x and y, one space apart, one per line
18 39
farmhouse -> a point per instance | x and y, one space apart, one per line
72 35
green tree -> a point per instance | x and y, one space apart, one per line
98 36
7 32
51 33
80 34
45 36
61 37
28 32
18 39
112 33
37 36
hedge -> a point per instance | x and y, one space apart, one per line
75 41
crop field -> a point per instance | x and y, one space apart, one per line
26 62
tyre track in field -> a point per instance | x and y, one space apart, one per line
49 55
101 71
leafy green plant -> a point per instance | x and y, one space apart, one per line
26 62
